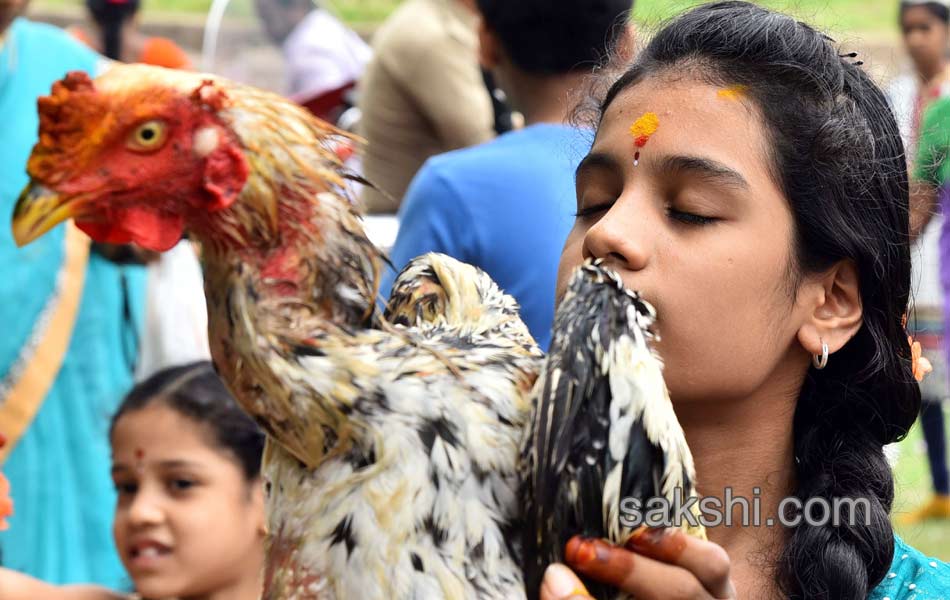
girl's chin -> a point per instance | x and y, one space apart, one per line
158 586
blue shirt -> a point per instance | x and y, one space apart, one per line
63 496
913 576
505 206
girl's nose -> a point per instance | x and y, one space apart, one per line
145 509
622 238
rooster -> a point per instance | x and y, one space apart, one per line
603 429
393 463
392 449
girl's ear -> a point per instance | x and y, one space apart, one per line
836 310
257 505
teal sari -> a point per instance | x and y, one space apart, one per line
59 469
913 576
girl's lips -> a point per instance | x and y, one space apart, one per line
148 554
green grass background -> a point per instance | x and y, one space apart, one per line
836 15
913 486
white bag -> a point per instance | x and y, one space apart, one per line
176 319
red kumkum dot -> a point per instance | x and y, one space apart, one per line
139 454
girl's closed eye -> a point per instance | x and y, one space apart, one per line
587 210
687 217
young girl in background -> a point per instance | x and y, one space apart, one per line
189 522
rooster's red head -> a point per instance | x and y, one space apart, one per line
143 153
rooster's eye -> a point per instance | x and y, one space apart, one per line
147 136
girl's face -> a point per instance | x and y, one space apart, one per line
700 228
187 522
925 36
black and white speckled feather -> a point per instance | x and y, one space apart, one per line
603 427
415 493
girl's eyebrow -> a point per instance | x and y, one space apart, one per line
597 159
705 168
178 463
165 464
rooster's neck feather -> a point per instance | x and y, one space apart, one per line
294 228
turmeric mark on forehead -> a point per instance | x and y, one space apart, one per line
641 130
733 92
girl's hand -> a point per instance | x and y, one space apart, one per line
656 563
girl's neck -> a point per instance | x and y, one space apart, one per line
248 587
935 77
543 99
744 455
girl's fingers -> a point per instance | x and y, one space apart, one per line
643 577
561 583
707 561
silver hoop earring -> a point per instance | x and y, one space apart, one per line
821 361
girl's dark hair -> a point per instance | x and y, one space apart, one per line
195 391
110 15
935 8
835 151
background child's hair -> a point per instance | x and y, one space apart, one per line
195 391
554 38
937 9
836 153
110 16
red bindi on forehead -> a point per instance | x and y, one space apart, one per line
139 454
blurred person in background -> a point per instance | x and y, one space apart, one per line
69 344
925 33
423 94
324 58
507 206
114 33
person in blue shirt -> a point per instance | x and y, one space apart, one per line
507 206
70 319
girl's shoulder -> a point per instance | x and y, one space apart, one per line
913 576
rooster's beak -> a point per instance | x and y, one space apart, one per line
38 210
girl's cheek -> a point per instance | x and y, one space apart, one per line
570 259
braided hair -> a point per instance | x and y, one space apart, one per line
836 153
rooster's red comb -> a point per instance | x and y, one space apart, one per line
69 117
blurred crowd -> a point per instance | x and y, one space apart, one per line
469 112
